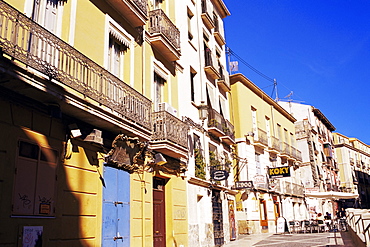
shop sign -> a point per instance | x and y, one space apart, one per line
312 190
279 172
243 185
259 179
219 175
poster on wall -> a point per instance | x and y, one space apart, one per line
232 220
32 236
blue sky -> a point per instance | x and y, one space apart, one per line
319 49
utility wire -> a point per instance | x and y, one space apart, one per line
249 66
230 52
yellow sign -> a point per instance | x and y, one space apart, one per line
276 172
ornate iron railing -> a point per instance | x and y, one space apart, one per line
142 5
169 128
288 187
261 136
228 129
275 143
160 23
299 155
285 148
215 119
297 189
28 42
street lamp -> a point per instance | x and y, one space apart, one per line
203 111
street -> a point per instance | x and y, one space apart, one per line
291 240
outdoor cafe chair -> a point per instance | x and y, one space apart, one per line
306 226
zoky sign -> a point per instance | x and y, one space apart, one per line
279 172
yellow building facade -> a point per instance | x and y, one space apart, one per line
265 140
89 101
353 159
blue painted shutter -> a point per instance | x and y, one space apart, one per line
116 208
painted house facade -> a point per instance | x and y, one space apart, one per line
268 160
353 161
315 140
92 155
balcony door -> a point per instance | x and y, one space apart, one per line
45 14
158 91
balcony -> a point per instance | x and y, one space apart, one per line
170 135
206 14
215 121
164 35
229 137
298 190
298 156
274 146
220 127
224 81
260 139
135 11
288 188
80 86
217 33
211 67
285 150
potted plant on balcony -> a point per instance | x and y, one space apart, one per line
212 123
200 171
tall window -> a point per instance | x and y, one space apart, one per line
192 85
35 178
258 163
45 13
116 53
158 91
254 121
157 4
190 17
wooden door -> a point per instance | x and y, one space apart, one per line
159 210
263 215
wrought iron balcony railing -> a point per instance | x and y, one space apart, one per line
215 122
261 137
285 149
142 5
288 187
28 42
275 144
224 80
135 11
298 189
169 128
161 24
211 64
220 127
207 14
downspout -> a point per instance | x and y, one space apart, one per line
143 192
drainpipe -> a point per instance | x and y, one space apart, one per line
143 192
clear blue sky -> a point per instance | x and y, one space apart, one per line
319 49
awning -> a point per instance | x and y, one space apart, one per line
332 195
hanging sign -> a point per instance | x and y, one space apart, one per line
243 185
279 172
219 175
259 179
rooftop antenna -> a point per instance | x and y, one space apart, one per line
276 91
289 96
233 66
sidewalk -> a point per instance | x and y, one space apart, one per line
327 239
248 240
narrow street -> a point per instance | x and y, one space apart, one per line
292 240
